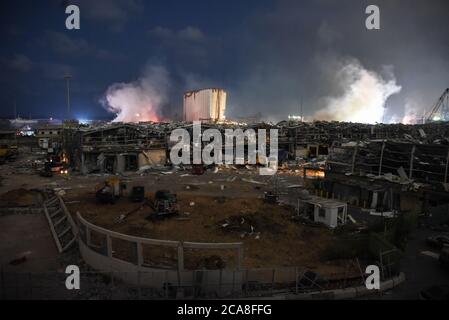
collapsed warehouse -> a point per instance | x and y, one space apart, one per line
370 166
182 221
120 148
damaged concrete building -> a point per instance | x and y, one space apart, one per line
49 137
389 176
333 179
118 148
382 168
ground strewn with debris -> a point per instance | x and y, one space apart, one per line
227 207
270 237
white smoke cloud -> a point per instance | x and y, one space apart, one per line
413 111
141 100
364 95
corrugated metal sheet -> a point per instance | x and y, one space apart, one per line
205 105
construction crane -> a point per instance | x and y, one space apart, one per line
440 110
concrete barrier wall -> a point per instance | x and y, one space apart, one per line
349 293
224 282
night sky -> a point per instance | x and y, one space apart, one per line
268 55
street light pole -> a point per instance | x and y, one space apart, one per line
67 78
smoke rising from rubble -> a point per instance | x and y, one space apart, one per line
141 100
292 59
365 93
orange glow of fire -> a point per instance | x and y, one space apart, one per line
310 173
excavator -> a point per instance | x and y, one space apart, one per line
164 205
54 165
109 191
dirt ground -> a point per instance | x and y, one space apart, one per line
20 198
270 237
227 197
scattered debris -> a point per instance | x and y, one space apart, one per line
20 259
249 225
352 219
431 254
253 181
388 214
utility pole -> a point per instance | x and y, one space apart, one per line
67 78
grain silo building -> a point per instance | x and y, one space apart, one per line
206 105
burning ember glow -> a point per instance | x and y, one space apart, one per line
314 173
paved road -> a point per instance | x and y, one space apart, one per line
27 235
421 270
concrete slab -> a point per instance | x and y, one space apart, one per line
27 235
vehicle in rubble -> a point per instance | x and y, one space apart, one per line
54 165
165 204
439 241
109 191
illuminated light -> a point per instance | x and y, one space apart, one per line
293 117
313 173
83 121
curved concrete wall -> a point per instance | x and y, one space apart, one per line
223 282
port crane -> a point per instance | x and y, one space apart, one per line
440 110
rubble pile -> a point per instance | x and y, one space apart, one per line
249 225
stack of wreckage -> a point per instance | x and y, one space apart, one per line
114 148
410 156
